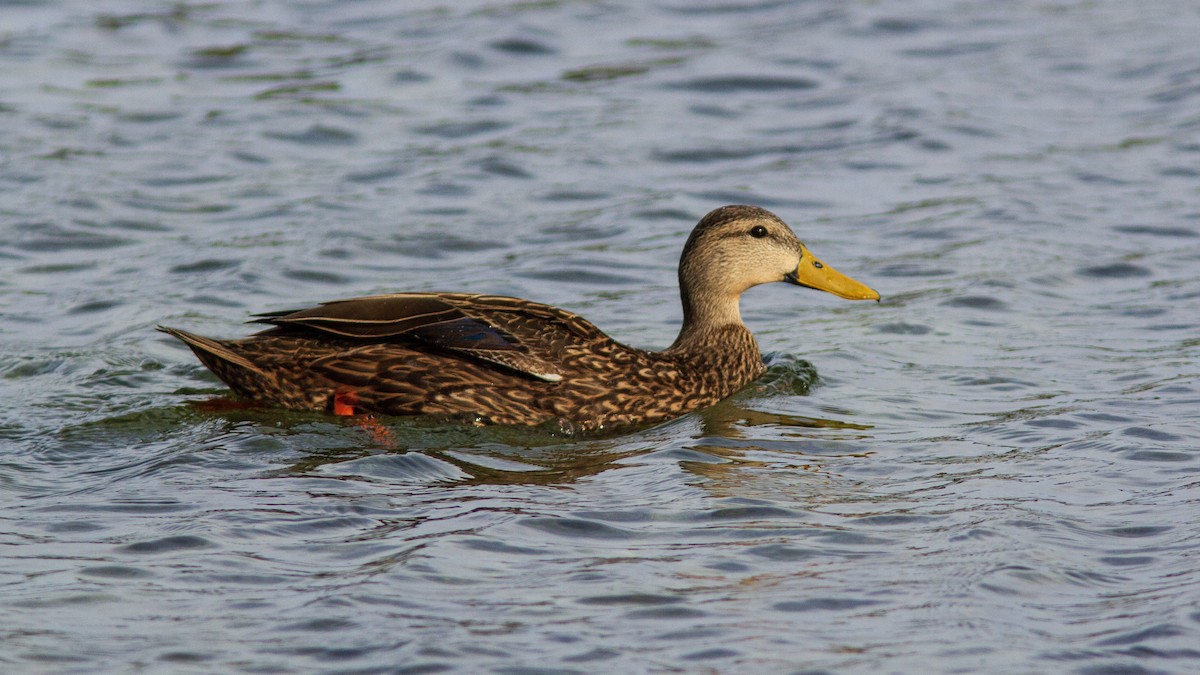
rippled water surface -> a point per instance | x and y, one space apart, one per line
995 469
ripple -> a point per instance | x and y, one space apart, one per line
316 135
408 76
58 268
576 275
314 276
711 654
999 382
72 526
749 150
50 237
911 270
823 605
74 601
729 84
687 455
1138 531
984 302
1053 424
410 466
784 553
321 625
446 189
737 197
749 513
182 657
576 528
666 613
951 50
522 47
177 181
851 538
901 328
491 546
438 246
595 654
1157 230
1114 271
116 572
266 580
19 368
378 174
634 599
573 196
506 168
609 72
204 266
894 519
185 204
1127 560
217 57
901 25
94 306
1162 630
1158 456
149 506
456 130
182 542
1150 434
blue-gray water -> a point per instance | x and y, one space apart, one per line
995 469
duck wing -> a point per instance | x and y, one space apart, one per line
518 335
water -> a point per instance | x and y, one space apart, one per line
995 469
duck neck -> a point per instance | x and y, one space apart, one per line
706 316
721 356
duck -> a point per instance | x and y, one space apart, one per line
490 359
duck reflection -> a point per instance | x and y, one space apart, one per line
714 443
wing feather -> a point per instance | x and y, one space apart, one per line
514 334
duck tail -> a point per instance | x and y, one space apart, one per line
212 352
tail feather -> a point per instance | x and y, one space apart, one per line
206 348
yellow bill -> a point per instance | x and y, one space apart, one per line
815 274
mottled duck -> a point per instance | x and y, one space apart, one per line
499 360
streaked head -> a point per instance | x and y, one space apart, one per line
735 248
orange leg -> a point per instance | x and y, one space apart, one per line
345 403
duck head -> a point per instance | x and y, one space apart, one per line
735 248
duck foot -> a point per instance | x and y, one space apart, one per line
345 404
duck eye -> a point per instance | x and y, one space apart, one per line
758 232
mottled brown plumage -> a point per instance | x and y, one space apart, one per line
501 360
